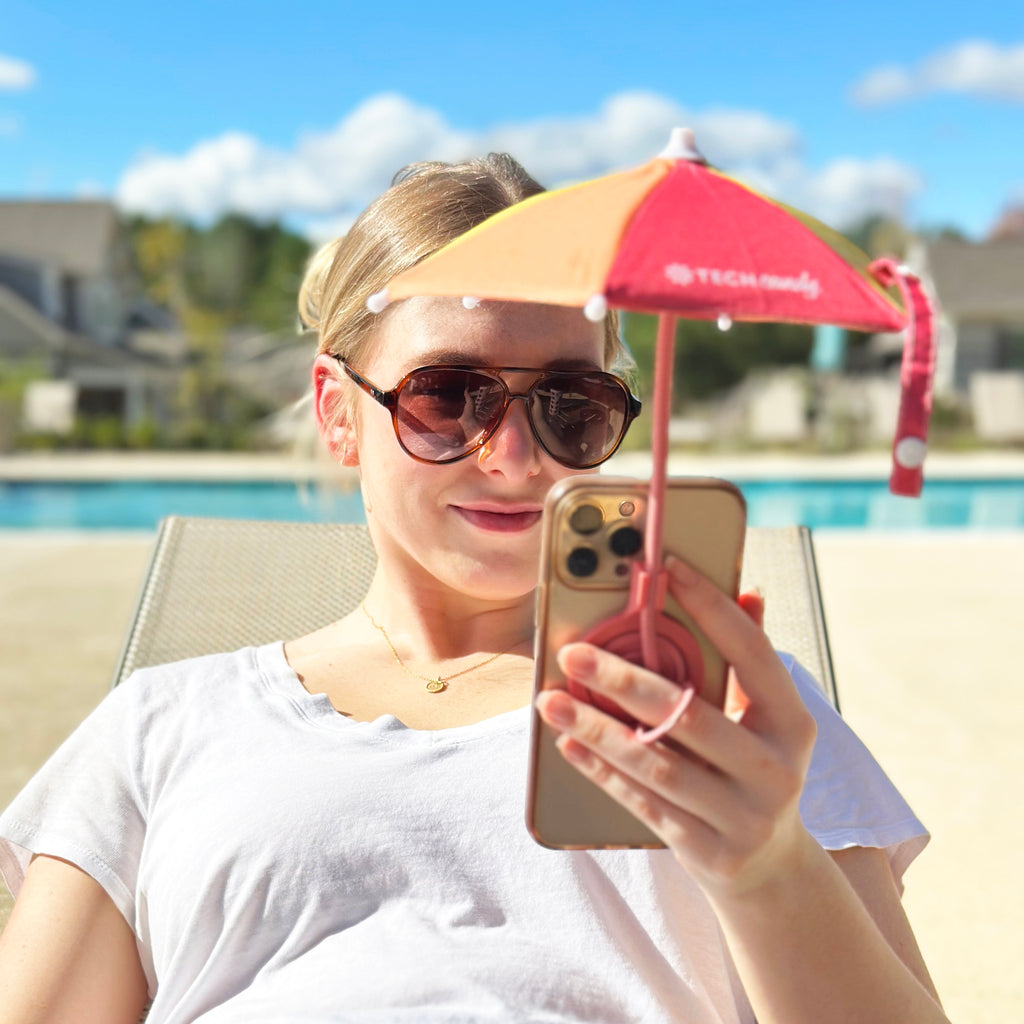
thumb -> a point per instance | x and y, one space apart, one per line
752 602
736 701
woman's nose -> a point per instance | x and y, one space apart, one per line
512 448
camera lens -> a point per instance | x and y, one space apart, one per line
625 541
582 562
586 519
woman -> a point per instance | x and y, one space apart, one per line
330 829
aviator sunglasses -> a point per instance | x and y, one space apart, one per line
444 413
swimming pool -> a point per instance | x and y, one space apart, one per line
974 504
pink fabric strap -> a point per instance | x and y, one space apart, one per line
917 375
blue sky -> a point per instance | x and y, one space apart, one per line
303 111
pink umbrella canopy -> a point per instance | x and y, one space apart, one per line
677 237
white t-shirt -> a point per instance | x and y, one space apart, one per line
280 862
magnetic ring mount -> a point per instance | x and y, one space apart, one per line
679 657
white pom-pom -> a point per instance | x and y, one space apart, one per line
724 321
596 308
378 301
470 301
910 452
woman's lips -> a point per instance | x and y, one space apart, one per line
498 519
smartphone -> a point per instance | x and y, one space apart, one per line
593 533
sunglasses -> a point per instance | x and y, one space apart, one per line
444 413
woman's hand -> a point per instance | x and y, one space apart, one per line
724 794
722 790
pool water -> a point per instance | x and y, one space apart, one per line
141 504
821 504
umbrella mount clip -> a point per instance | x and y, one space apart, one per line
643 582
646 636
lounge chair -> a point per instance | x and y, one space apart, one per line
218 584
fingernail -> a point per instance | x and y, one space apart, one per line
556 708
577 661
682 572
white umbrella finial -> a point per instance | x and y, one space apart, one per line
682 145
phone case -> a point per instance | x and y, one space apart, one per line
592 534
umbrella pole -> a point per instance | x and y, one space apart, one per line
654 597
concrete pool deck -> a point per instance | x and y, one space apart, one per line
926 639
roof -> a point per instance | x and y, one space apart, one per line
32 328
74 235
978 280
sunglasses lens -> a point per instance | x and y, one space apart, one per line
579 417
443 412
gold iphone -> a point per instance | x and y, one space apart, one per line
593 534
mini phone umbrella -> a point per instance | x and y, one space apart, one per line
677 237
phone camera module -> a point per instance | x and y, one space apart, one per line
582 562
625 541
586 519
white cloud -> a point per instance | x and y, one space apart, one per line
847 191
888 84
321 230
973 67
738 137
15 74
325 173
327 176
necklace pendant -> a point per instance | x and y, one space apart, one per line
436 686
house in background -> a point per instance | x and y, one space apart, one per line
70 310
980 291
980 288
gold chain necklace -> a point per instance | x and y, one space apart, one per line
438 683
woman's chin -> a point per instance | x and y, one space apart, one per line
488 582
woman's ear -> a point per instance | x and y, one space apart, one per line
333 414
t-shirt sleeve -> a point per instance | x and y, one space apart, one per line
848 800
85 804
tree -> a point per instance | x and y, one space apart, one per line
878 236
241 270
237 272
709 361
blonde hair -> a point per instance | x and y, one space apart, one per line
427 205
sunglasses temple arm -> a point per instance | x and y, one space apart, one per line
385 398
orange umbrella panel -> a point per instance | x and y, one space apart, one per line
554 248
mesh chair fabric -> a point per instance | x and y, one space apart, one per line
219 584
